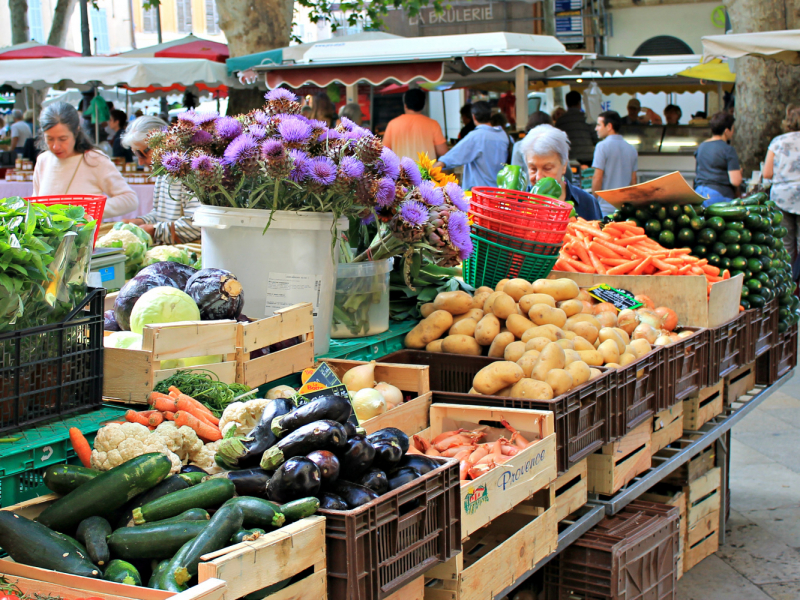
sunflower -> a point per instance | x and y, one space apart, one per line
428 171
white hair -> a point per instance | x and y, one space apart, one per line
137 130
546 139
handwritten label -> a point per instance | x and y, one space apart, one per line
619 298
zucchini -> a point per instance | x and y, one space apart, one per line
62 479
193 514
725 210
157 572
166 579
107 492
217 534
173 483
299 509
120 571
247 535
259 512
209 494
92 533
80 547
31 543
159 540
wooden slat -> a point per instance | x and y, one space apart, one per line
188 339
411 591
633 440
667 427
313 587
264 369
287 323
410 417
571 499
409 378
701 408
703 496
700 530
127 375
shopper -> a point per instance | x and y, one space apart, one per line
546 151
534 120
718 174
559 112
782 166
412 132
672 114
28 118
19 131
351 110
117 121
498 119
170 221
482 152
322 109
70 164
633 118
582 138
466 120
615 160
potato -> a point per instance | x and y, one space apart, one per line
552 357
517 288
479 299
500 285
623 335
607 333
461 344
595 373
538 331
571 307
484 289
514 351
566 344
505 392
609 351
518 325
519 310
591 357
474 313
487 305
582 318
559 380
579 371
570 356
641 347
541 314
527 301
626 359
430 328
464 327
570 335
612 366
434 346
537 343
503 306
587 331
494 377
456 303
472 391
527 361
498 347
426 309
530 388
487 329
559 289
582 344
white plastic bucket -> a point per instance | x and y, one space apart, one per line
361 302
289 264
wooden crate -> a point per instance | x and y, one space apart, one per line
673 496
496 555
667 427
702 540
616 464
411 591
694 468
703 496
570 491
698 410
738 383
502 488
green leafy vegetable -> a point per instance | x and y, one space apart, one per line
203 386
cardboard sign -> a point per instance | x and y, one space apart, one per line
667 189
619 298
324 382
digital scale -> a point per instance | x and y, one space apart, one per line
109 263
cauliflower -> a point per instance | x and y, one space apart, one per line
117 443
134 248
135 230
244 415
164 253
204 458
191 443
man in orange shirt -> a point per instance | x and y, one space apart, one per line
413 132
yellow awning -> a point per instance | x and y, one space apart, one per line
714 70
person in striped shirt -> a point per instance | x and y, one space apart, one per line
170 221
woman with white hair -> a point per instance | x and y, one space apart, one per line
546 152
170 221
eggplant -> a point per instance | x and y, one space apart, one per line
390 434
218 294
328 465
330 407
110 321
192 469
356 456
387 454
249 482
403 476
355 495
351 429
177 272
240 452
376 480
329 501
423 464
297 478
284 344
132 291
319 435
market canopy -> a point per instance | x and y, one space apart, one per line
779 45
34 49
188 47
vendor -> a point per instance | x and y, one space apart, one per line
546 152
70 164
170 221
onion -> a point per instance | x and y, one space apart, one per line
644 331
645 300
584 296
662 340
668 316
587 307
280 391
607 318
627 320
360 377
685 334
604 307
368 403
650 317
392 394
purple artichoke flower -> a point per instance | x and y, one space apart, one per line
456 196
458 231
385 191
322 170
413 213
299 170
369 219
351 168
409 171
280 94
257 131
272 148
174 162
204 163
294 131
388 164
431 195
228 128
241 150
261 118
330 135
201 137
188 116
347 124
204 118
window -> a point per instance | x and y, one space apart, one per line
99 22
184 8
212 18
149 20
663 45
35 21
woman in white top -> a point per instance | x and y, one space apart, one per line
71 165
782 166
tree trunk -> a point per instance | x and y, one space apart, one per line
20 32
253 26
763 86
61 17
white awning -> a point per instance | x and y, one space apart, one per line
779 45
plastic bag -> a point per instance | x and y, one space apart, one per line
592 102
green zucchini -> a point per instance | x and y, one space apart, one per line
62 479
92 533
209 494
107 492
193 514
158 572
723 209
80 547
166 580
299 509
173 483
159 540
31 543
258 512
193 477
120 571
247 535
225 522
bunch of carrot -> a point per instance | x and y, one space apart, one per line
180 408
622 248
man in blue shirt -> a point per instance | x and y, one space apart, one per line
615 160
482 152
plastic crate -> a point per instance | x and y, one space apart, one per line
23 462
780 359
53 370
490 262
94 206
685 368
547 236
728 348
381 546
762 331
523 245
373 347
522 204
580 414
636 395
629 556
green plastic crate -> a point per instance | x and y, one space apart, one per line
372 347
491 262
23 462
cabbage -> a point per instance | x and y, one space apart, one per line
163 305
135 230
134 248
165 253
123 339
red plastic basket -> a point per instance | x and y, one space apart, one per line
547 236
522 203
93 205
521 218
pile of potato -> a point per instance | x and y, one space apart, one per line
550 333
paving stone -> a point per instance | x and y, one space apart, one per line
782 446
783 591
713 579
782 523
764 486
742 455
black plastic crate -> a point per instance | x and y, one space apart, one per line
728 347
635 398
685 370
53 370
761 331
780 359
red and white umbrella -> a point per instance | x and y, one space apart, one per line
189 47
34 49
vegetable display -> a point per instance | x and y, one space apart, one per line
131 244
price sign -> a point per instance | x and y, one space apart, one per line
619 298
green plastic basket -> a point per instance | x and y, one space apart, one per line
515 243
491 262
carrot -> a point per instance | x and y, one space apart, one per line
710 270
613 262
189 404
563 266
206 432
590 231
626 226
626 268
642 266
603 250
200 406
583 255
726 274
631 240
712 279
663 266
162 402
685 269
578 266
618 249
598 266
680 252
663 273
81 446
697 271
169 416
134 417
156 419
679 262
